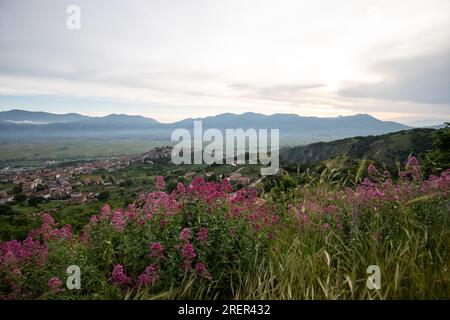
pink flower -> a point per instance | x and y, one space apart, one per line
412 161
15 253
148 277
188 251
202 235
149 214
180 188
55 285
160 184
47 219
65 232
275 219
47 230
105 212
118 276
372 169
188 254
413 167
201 271
163 223
93 219
330 209
84 237
118 220
130 212
157 250
185 234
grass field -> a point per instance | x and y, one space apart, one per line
18 153
35 153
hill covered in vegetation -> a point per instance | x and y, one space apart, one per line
385 149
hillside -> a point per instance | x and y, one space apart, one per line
385 148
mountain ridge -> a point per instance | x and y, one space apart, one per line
122 125
40 116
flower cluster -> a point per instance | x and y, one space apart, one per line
202 272
188 254
185 234
148 277
202 236
160 184
118 276
157 250
327 209
118 220
165 237
55 285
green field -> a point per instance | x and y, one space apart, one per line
35 153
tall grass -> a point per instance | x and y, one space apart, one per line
309 242
305 267
409 243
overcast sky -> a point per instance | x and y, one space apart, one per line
175 59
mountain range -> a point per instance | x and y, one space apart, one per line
22 116
26 124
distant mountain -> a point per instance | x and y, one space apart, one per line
123 119
384 148
290 125
120 122
22 116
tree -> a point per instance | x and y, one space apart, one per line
127 183
34 201
287 183
17 189
171 185
439 158
104 196
6 210
20 197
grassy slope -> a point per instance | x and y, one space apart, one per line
385 148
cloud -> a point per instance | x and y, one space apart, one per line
420 79
286 92
175 59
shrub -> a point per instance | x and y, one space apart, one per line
104 196
205 241
6 210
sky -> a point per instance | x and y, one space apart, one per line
177 59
